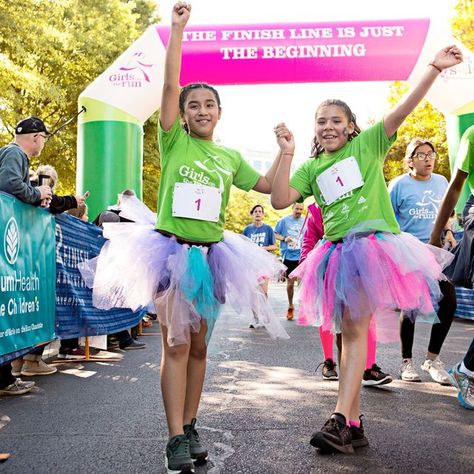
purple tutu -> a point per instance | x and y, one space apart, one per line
377 274
139 267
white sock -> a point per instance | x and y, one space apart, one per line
465 370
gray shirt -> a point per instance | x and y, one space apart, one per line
14 174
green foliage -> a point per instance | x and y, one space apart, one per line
425 122
50 50
463 23
238 210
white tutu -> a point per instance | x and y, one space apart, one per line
139 266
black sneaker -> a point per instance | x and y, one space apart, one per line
132 346
178 457
198 452
358 437
375 376
334 436
329 370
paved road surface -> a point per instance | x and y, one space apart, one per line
261 402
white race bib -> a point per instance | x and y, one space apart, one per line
196 201
340 179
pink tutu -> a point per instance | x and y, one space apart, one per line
139 267
377 274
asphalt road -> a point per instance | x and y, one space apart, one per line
261 402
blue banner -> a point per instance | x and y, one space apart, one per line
27 271
77 241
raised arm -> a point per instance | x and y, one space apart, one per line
170 98
264 184
282 194
446 58
449 201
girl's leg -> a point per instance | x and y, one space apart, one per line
447 308
353 358
174 369
326 343
371 345
407 335
195 374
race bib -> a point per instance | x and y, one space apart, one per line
340 179
196 201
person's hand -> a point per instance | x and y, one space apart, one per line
45 191
450 240
285 139
448 57
45 202
180 14
82 199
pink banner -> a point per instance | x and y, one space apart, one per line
305 52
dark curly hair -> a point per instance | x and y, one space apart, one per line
316 148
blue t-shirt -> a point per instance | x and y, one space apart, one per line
290 227
263 236
416 203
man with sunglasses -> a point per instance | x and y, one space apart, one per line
30 137
416 198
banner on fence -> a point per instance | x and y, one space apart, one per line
77 241
27 275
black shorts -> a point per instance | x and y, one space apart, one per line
290 265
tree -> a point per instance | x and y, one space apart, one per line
50 50
463 23
238 210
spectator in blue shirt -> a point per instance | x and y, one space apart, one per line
289 232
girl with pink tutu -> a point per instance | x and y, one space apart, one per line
364 266
188 266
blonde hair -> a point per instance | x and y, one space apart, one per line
48 170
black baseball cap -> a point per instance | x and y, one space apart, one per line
31 125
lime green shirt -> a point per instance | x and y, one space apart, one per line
365 208
465 156
185 159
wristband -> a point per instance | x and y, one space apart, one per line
448 230
436 67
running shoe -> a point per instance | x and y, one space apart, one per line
437 371
198 452
329 370
178 456
334 436
465 386
375 376
408 372
359 439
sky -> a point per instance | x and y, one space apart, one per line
249 113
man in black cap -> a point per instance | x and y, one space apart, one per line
30 137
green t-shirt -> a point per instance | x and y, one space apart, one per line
185 159
365 208
465 157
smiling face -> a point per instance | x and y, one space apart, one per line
201 113
422 162
332 128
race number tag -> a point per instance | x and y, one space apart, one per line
340 179
196 201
